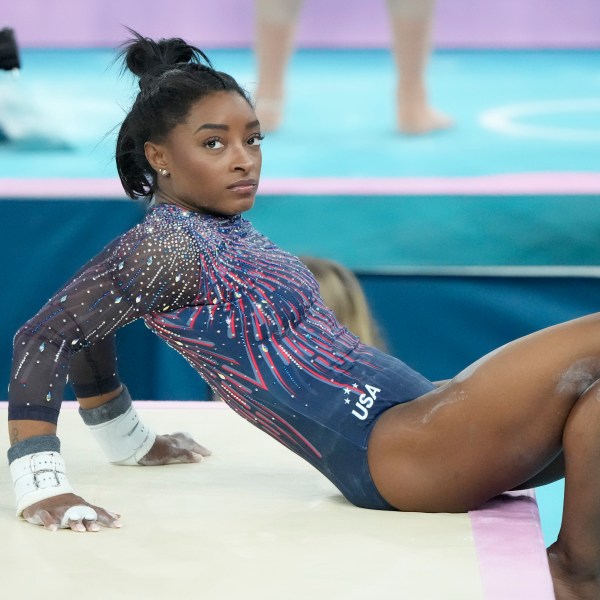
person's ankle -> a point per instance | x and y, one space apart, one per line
572 563
269 111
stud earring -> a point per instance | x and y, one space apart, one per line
164 172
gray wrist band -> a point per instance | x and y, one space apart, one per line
107 412
33 445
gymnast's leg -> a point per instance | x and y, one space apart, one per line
499 425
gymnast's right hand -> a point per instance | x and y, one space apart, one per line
68 511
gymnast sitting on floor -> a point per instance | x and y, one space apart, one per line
248 317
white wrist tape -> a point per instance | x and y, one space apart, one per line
124 440
37 477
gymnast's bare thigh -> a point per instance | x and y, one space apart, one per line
494 426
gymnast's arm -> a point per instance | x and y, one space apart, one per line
136 278
103 400
102 397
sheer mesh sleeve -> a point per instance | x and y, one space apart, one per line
149 269
93 371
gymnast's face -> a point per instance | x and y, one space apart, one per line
213 158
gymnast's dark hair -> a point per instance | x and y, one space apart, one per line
173 76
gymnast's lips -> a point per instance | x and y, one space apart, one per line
243 186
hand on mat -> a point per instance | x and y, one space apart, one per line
68 511
175 448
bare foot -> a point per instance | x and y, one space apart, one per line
569 583
419 120
415 115
270 113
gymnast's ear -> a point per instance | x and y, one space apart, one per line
156 156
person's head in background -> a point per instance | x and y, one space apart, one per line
342 293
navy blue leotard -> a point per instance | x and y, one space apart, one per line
247 316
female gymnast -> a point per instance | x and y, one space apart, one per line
249 318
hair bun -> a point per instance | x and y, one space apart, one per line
145 57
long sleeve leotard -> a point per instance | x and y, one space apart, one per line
245 314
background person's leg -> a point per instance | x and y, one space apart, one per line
275 31
411 22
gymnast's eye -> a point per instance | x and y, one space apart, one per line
256 139
214 144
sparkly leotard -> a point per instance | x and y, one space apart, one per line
247 316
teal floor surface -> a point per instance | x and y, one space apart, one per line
515 112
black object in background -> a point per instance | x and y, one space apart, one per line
9 52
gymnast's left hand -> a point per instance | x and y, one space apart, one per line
174 448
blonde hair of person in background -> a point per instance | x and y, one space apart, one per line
342 293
